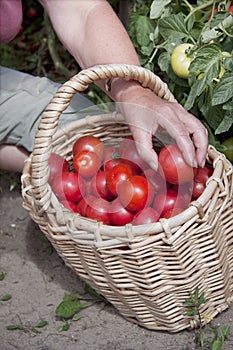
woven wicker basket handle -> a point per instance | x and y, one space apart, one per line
79 83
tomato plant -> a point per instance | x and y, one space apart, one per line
69 186
135 193
86 163
228 148
173 166
206 92
57 165
181 59
89 143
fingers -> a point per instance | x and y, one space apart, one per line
200 139
145 147
177 130
189 133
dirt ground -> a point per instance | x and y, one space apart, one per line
37 282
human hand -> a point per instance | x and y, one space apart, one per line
145 113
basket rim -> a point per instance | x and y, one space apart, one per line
165 229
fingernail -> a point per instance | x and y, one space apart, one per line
203 163
153 165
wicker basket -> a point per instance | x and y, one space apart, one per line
145 271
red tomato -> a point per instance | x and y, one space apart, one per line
130 155
146 216
203 174
230 9
172 212
57 165
164 202
200 178
173 166
99 210
212 14
118 215
86 163
111 158
70 205
89 143
99 186
135 193
32 12
116 175
83 204
69 186
157 181
197 189
184 191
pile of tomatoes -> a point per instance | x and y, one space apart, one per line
116 187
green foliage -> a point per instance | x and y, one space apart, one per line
157 28
68 309
5 297
2 276
27 327
221 334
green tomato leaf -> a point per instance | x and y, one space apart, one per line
208 62
218 31
223 91
197 88
157 8
143 29
226 122
164 61
209 111
174 26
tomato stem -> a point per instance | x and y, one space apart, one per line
200 7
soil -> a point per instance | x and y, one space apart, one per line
37 282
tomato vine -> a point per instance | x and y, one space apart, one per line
158 27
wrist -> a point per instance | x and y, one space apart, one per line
118 88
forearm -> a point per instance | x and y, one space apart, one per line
91 32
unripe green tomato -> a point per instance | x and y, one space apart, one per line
180 62
228 143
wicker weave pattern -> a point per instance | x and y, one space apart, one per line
145 271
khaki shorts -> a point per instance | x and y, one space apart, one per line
23 98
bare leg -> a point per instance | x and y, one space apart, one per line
12 157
